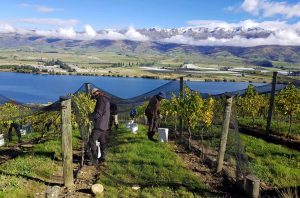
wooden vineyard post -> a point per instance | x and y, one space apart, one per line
180 117
225 129
252 185
271 106
66 130
87 88
88 128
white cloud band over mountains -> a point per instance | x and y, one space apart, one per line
275 33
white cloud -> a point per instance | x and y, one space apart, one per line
132 34
47 21
251 6
6 28
67 33
112 35
246 24
278 39
39 8
274 33
90 32
269 8
281 33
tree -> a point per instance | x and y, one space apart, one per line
288 103
140 111
207 115
190 108
83 106
9 111
251 103
169 109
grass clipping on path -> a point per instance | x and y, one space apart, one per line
134 160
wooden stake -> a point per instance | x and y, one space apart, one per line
180 117
252 185
271 106
66 130
87 88
225 129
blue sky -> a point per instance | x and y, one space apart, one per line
49 14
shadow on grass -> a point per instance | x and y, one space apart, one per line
281 192
48 154
8 154
85 190
48 183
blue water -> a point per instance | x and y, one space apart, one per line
36 88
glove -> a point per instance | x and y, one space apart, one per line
91 117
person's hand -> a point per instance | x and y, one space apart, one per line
91 116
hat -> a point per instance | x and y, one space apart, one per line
161 94
94 90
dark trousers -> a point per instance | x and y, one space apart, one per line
152 126
101 136
9 135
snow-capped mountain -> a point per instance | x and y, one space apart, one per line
235 42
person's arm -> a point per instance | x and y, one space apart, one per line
156 109
100 109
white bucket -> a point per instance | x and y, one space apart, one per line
134 127
99 151
23 131
2 140
163 134
128 125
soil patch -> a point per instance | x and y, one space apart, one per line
214 182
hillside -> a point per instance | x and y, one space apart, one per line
286 56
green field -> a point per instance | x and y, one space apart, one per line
107 63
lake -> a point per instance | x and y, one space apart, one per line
37 88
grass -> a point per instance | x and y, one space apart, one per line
277 127
26 175
14 186
133 159
274 164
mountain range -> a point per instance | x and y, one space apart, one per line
193 40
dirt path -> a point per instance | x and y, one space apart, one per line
214 182
85 177
83 183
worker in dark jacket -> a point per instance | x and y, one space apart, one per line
113 116
152 113
100 116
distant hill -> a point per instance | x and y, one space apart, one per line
258 55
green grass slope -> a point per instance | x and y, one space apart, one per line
134 160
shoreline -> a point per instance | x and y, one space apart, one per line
161 76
